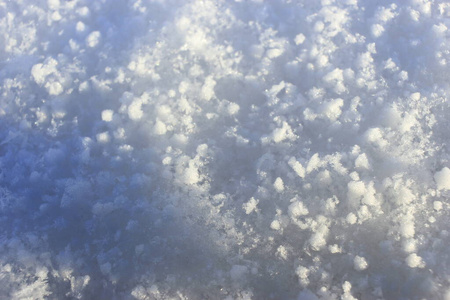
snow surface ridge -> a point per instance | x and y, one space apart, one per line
224 150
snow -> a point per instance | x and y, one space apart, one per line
103 137
297 208
299 39
93 39
442 179
275 225
409 245
135 110
360 263
351 218
278 185
297 167
159 128
362 162
415 261
437 205
218 149
302 274
107 115
250 206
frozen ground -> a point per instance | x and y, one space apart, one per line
224 149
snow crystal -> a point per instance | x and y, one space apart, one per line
274 53
103 137
356 189
135 110
54 88
319 238
250 206
377 30
313 163
324 177
282 252
233 108
41 71
375 136
409 245
351 218
93 39
437 205
442 179
159 128
362 162
208 89
299 38
317 241
191 175
56 16
334 249
297 167
302 273
360 263
347 291
139 292
332 109
278 185
297 209
107 115
80 27
283 133
347 286
275 225
415 261
407 229
439 29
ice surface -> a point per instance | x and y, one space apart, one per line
219 149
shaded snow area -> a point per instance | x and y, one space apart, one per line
219 149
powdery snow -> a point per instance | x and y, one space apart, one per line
218 149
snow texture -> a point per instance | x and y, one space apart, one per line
220 149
